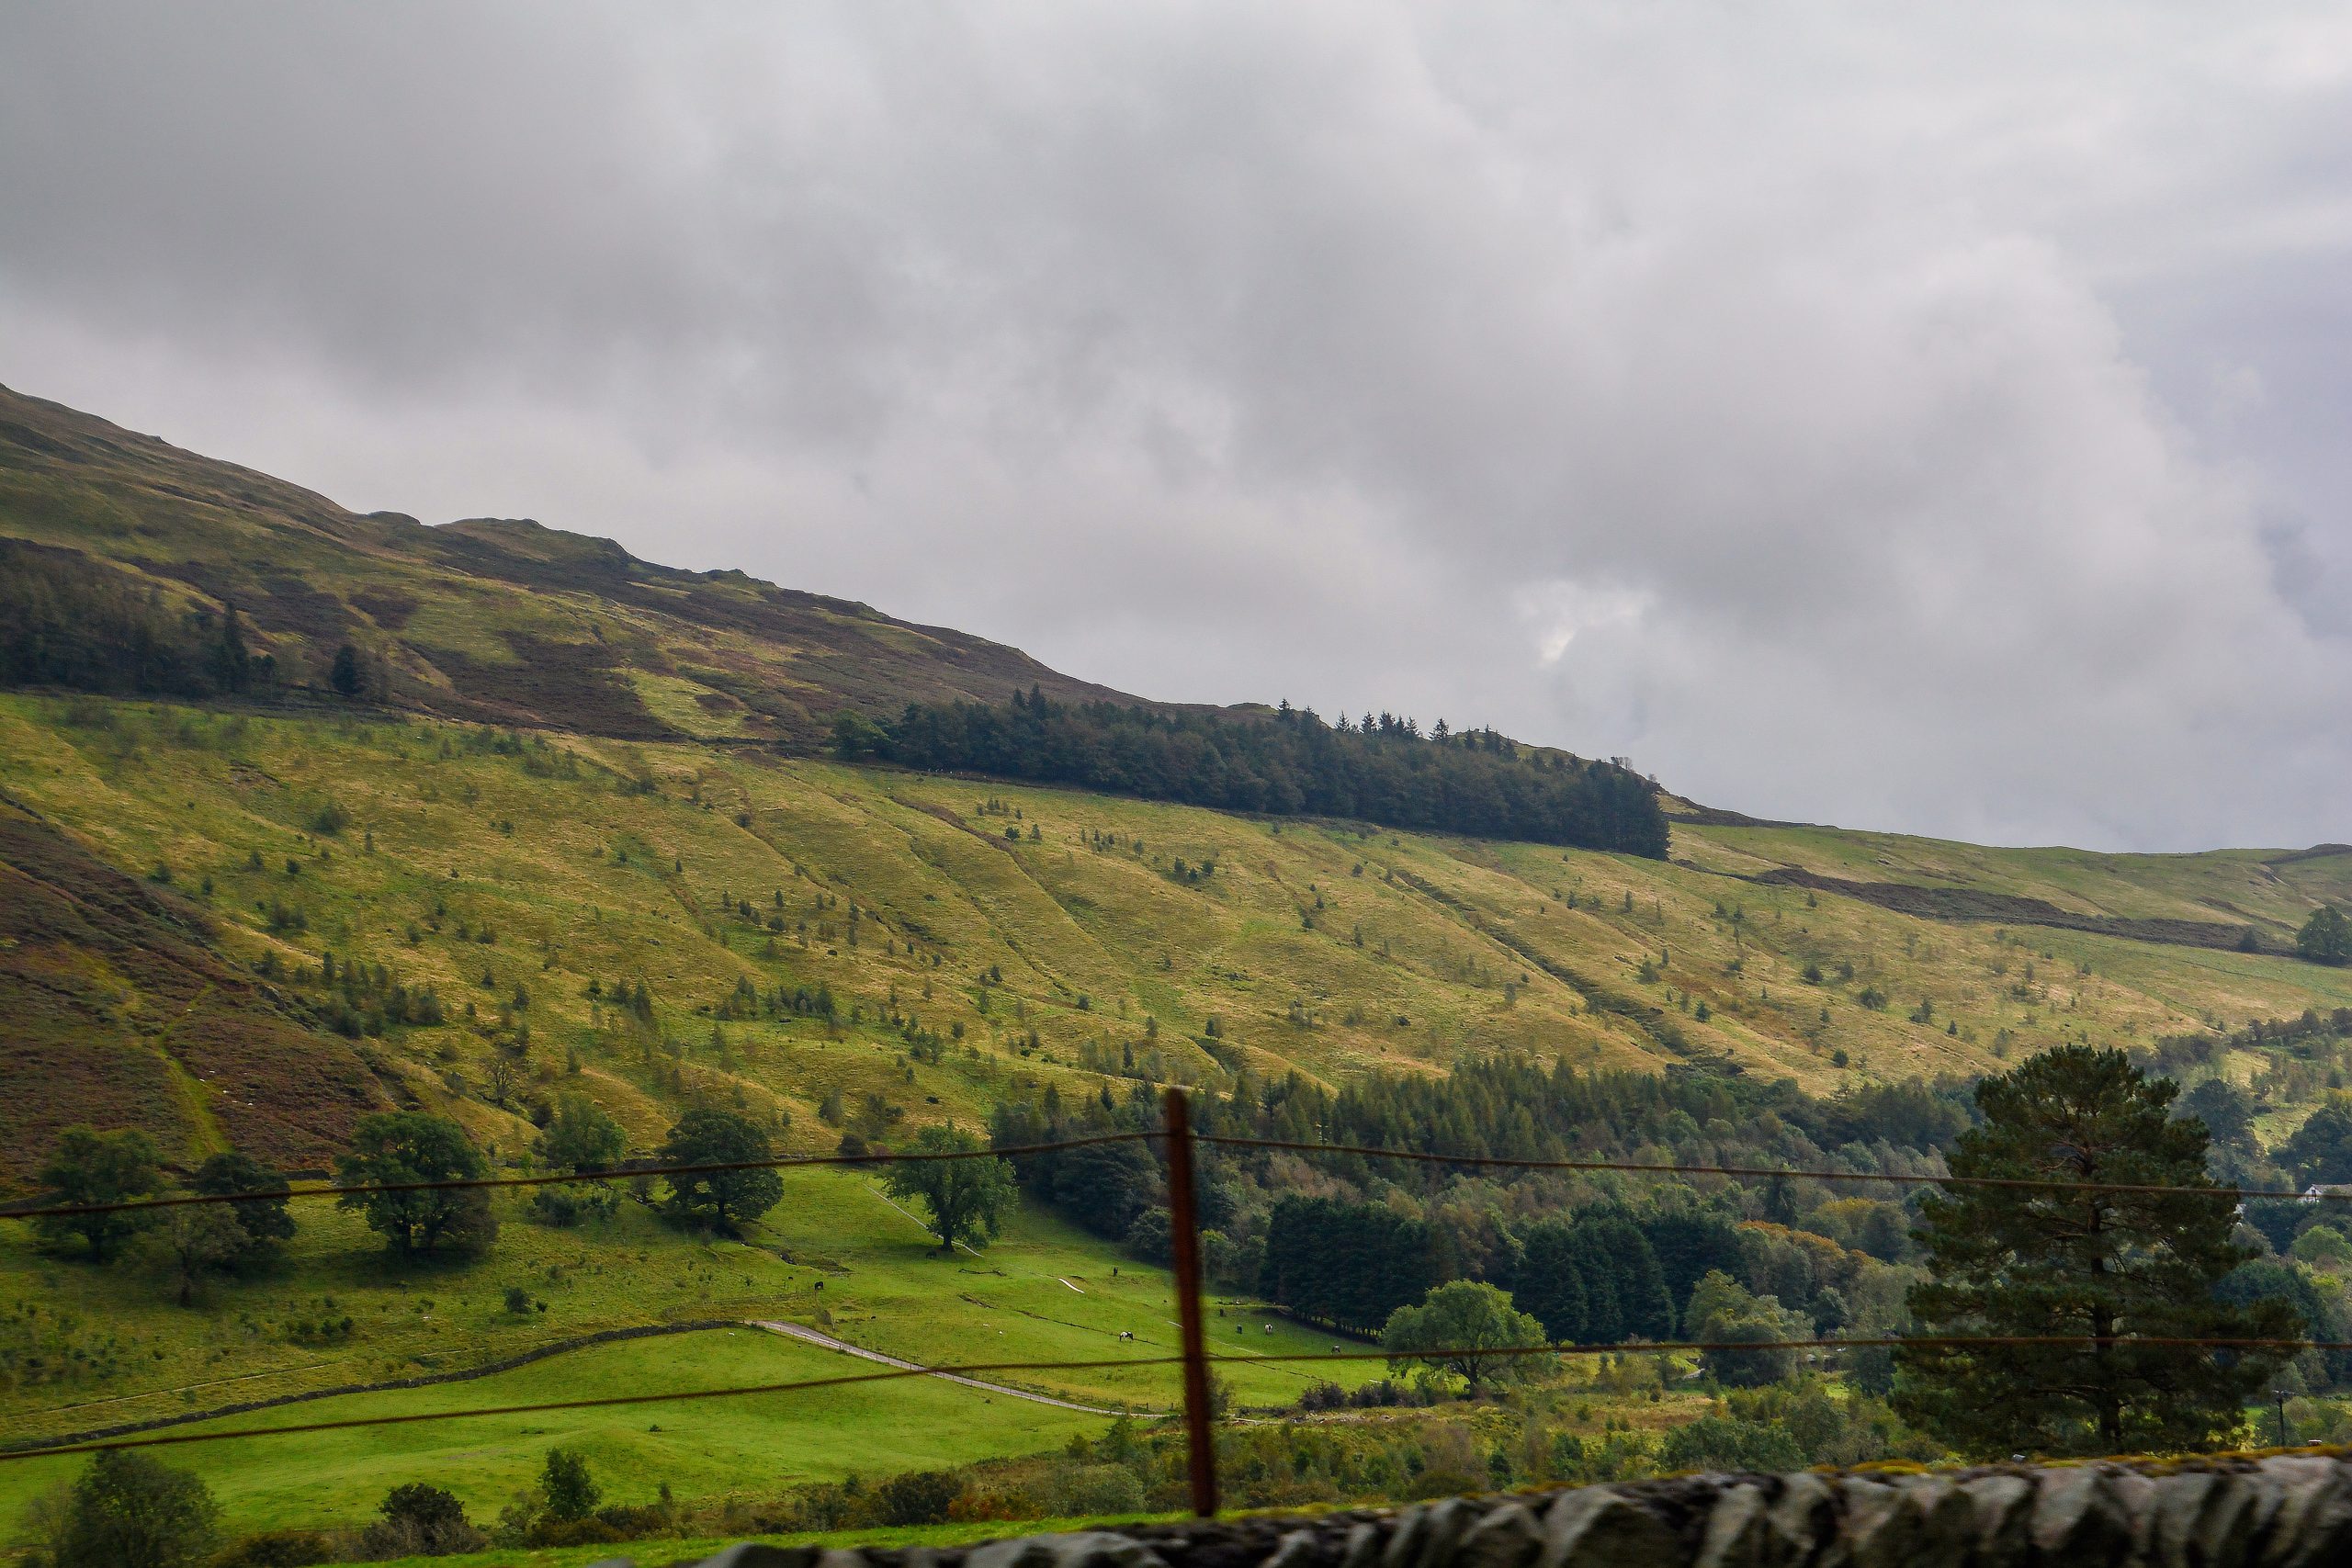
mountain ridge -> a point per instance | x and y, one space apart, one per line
433 607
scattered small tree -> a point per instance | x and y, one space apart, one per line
90 1166
2321 1149
200 1239
719 1199
266 1220
420 1521
1456 1321
403 1146
579 1137
2119 1269
1722 1311
968 1198
128 1511
568 1493
2326 937
348 677
501 1076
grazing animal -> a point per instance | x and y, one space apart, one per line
1125 1334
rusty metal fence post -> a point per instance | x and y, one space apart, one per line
1200 1434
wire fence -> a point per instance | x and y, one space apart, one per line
1194 1360
35 1209
973 1369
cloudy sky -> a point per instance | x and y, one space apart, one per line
1932 421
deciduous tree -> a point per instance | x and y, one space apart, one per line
128 1511
567 1492
2326 937
266 1220
579 1137
404 1146
1453 1324
968 1198
200 1237
719 1199
89 1168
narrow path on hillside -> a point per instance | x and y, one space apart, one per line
827 1342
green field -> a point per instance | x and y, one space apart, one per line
1043 1292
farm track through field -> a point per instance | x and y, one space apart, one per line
488 1368
827 1342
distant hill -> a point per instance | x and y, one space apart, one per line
493 620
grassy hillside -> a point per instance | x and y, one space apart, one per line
179 874
946 905
248 921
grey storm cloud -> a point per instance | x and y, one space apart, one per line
1926 418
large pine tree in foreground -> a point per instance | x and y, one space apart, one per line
2126 1269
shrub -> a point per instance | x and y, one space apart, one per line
128 1511
280 1549
919 1497
566 1489
420 1521
1324 1396
1726 1442
1099 1489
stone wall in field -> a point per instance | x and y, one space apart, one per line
2283 1511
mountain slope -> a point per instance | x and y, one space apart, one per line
490 620
979 940
1055 930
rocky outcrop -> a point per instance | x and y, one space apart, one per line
2292 1510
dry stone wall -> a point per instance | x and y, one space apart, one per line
2282 1511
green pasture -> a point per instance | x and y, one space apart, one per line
1043 1292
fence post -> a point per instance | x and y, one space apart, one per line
1200 1435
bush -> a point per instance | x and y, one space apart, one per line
1726 1442
1095 1489
1324 1396
128 1511
566 1489
420 1521
281 1548
919 1497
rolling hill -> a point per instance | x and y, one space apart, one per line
653 805
584 805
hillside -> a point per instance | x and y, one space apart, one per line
495 620
179 872
1055 931
570 831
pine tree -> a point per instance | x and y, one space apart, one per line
2119 1269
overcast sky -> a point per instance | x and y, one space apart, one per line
1936 423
